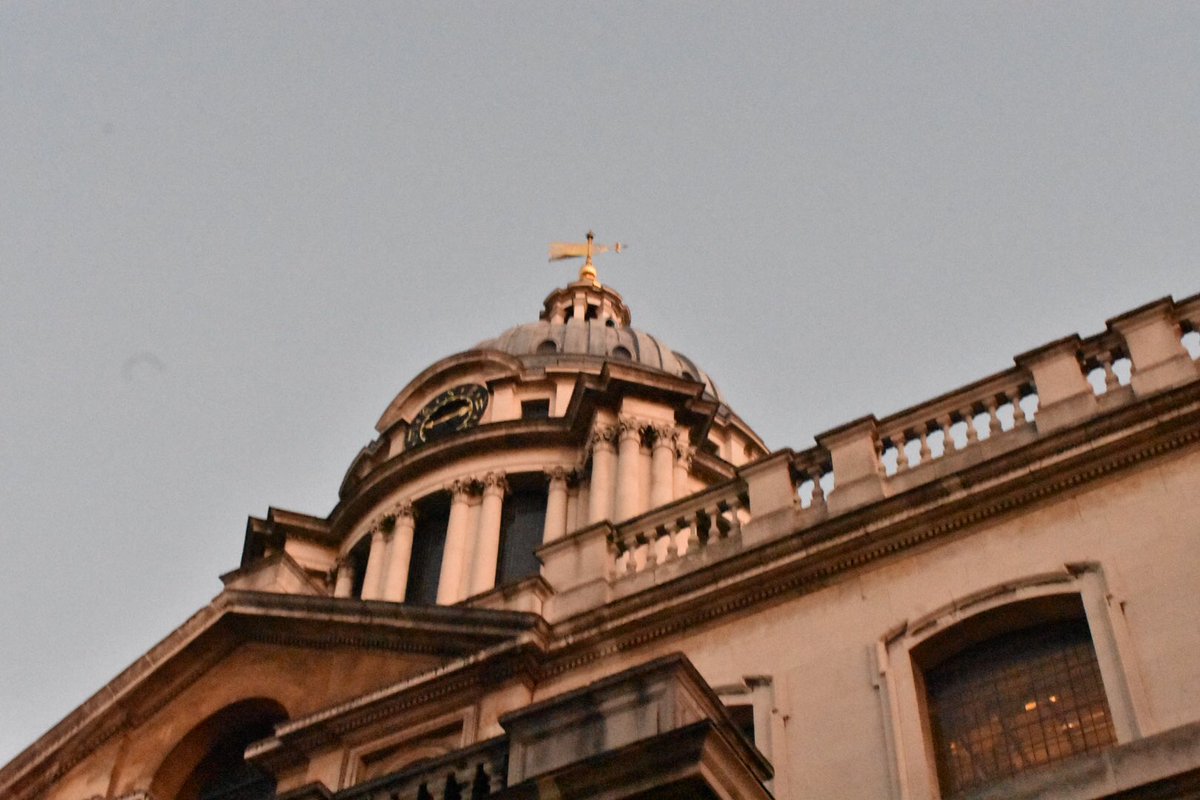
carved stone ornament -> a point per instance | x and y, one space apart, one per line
561 474
602 435
402 510
495 482
664 435
631 428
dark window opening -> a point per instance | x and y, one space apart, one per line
535 409
1016 701
358 562
547 346
222 773
610 323
431 516
569 314
743 720
622 354
592 312
521 526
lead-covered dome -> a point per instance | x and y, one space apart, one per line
584 321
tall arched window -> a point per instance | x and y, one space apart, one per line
432 516
209 764
522 524
1015 690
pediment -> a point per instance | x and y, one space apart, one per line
305 653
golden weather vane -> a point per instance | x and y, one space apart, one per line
561 250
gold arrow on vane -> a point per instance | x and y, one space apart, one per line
561 250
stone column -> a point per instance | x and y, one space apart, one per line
456 543
573 502
684 453
629 451
604 472
395 582
487 538
556 505
662 466
373 582
345 578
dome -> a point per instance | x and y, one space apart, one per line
585 322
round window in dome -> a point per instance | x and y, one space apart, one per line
622 354
547 346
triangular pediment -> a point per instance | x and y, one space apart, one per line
304 653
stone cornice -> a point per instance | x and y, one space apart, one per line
238 616
814 556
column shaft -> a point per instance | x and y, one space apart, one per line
452 555
629 451
487 540
662 467
604 471
373 582
395 582
345 579
556 506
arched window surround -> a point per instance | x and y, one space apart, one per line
898 655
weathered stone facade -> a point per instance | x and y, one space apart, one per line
565 568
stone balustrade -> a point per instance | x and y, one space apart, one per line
956 421
678 530
1146 351
475 772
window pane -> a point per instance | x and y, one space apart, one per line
521 527
432 516
1014 702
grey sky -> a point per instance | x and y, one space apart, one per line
231 232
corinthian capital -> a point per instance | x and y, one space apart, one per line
602 436
630 428
495 482
403 509
664 434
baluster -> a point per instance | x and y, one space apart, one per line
735 523
946 422
423 792
990 406
651 550
818 493
453 790
631 555
972 433
683 530
898 442
1017 397
664 532
925 453
481 787
1111 380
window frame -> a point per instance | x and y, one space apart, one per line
899 672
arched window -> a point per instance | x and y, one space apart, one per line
1014 690
209 764
622 354
432 517
548 346
522 524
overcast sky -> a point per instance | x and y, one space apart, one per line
231 232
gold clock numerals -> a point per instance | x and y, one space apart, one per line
453 410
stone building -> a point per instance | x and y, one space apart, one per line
565 568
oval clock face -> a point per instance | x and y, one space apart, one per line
451 411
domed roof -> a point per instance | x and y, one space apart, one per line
589 322
545 343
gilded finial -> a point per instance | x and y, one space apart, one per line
561 250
